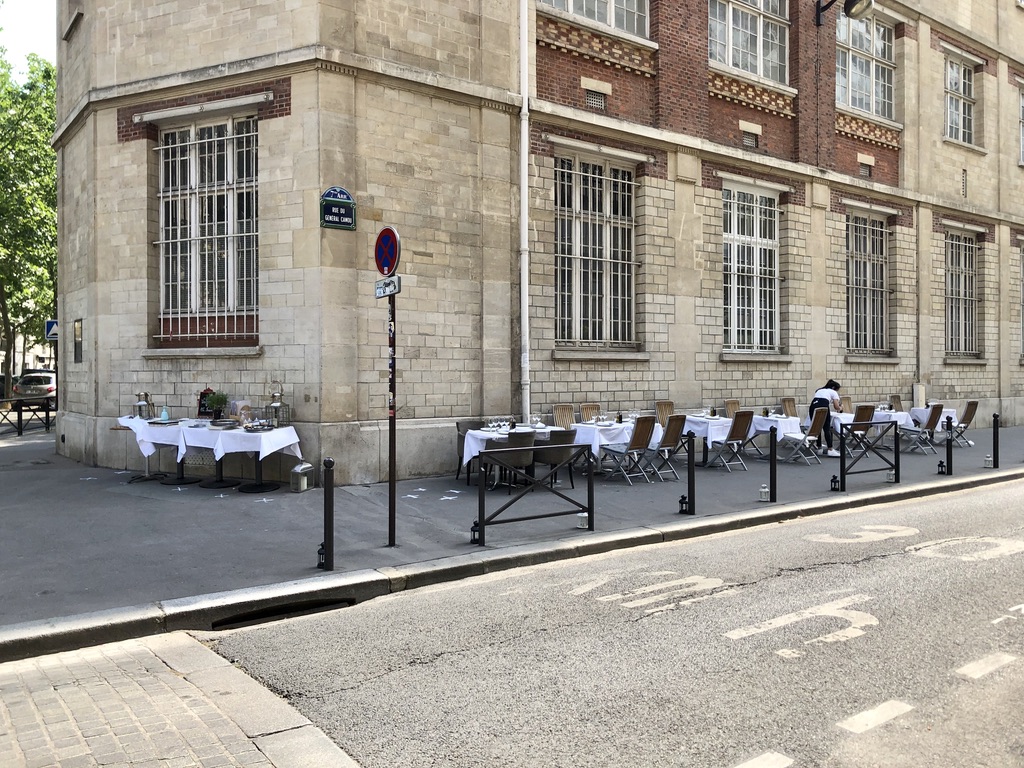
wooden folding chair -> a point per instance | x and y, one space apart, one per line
733 443
732 406
789 407
630 459
847 403
863 417
589 411
804 445
664 409
671 443
563 415
922 438
896 402
964 423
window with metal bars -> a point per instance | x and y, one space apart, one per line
750 35
594 254
628 15
750 270
867 291
961 294
209 253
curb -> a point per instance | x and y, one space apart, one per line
253 605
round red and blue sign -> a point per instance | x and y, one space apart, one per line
387 251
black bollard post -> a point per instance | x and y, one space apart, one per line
949 445
995 441
328 545
691 475
842 461
773 485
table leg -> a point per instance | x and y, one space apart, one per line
219 481
259 486
180 478
148 475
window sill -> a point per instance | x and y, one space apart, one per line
201 352
964 361
965 145
754 357
595 26
601 355
882 359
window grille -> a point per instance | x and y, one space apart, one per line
594 254
208 234
865 171
865 65
750 247
750 35
596 100
960 100
750 140
867 292
627 15
961 294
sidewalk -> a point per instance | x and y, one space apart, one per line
96 574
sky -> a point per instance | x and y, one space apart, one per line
28 26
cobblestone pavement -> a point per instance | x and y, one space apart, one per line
162 702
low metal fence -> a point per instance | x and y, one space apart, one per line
21 413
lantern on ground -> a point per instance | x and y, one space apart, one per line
144 406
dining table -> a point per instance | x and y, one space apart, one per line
476 439
920 415
880 416
186 435
716 429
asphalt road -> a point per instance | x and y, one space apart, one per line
883 636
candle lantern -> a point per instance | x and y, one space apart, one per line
835 482
278 413
988 461
942 467
144 406
764 494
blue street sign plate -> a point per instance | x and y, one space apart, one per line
51 330
337 209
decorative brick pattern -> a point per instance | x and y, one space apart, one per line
732 89
610 51
867 130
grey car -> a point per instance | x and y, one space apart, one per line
37 389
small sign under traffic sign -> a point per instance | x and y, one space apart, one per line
389 286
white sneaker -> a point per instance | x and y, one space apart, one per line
970 443
832 453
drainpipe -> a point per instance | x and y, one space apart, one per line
524 208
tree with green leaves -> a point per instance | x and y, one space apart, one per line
28 206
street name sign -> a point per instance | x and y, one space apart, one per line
337 209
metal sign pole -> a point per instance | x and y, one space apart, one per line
392 462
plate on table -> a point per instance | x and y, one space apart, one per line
161 422
222 424
258 427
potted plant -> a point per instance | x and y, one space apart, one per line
217 402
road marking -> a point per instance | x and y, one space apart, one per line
983 666
767 760
996 548
871 718
664 590
873 533
589 587
836 608
698 599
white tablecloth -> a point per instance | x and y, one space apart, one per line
921 416
220 441
712 428
598 435
784 424
879 417
476 439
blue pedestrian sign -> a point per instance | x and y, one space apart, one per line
51 330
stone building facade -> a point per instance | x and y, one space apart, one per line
723 199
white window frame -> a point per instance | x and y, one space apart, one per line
865 57
867 284
629 16
751 36
595 252
209 236
960 99
750 268
961 293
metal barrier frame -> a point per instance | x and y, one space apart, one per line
866 446
38 409
478 532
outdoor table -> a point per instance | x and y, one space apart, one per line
476 439
710 429
920 415
150 437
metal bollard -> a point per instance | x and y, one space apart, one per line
773 480
949 445
326 559
691 477
995 441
